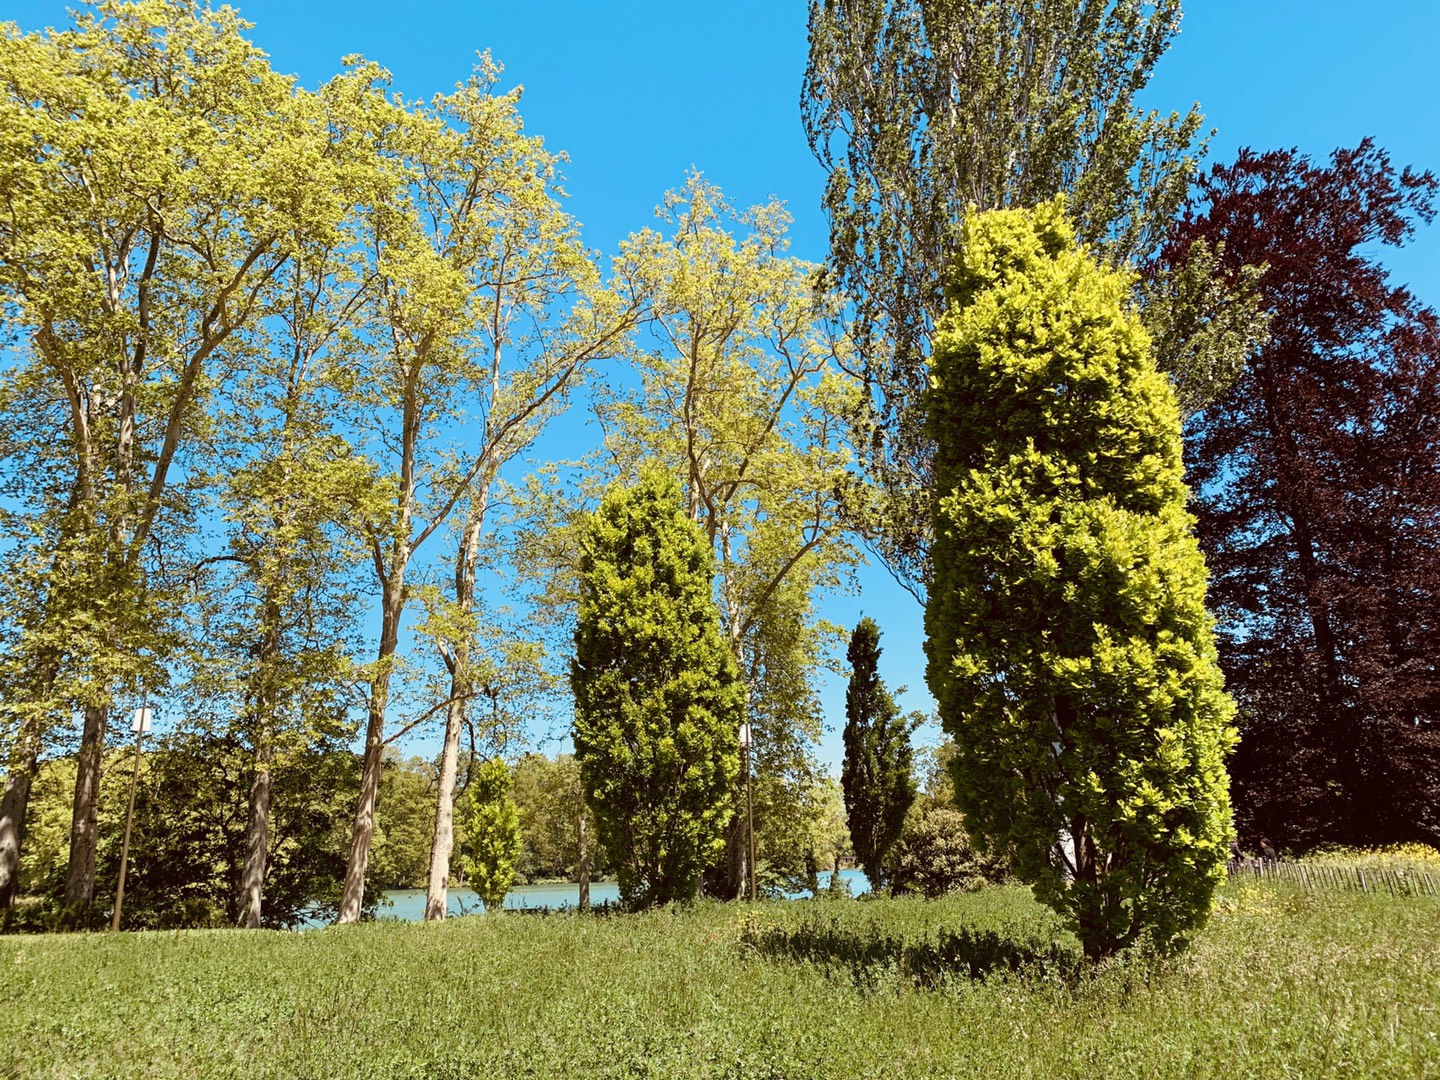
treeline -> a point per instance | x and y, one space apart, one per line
278 358
277 355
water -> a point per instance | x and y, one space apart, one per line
408 905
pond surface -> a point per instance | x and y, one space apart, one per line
408 905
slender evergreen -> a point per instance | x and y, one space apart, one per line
877 773
658 697
1069 646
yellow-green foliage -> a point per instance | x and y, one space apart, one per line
658 697
1069 646
491 825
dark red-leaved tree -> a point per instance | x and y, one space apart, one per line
1317 487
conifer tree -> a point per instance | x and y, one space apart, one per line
877 771
658 696
1068 642
491 823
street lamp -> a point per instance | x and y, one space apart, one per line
749 808
140 725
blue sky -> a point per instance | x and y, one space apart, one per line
638 91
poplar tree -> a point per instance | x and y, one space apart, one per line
918 109
1069 646
658 697
877 771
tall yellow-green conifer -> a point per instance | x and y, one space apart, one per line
1068 641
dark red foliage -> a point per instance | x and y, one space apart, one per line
1317 489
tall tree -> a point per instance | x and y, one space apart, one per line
877 772
921 108
741 396
152 171
1318 484
472 243
1068 643
658 698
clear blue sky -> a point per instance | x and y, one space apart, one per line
638 91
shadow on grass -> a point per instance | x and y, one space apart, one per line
870 954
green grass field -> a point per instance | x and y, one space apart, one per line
1280 984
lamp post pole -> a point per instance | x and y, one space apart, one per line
749 811
139 725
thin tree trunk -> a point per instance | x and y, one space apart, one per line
257 830
13 806
257 827
583 869
438 887
353 895
84 816
458 661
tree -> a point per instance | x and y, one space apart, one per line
491 823
472 242
919 109
1068 643
658 698
877 771
742 398
551 798
153 170
933 855
1317 477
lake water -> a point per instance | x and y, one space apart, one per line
408 905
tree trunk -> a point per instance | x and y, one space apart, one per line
352 897
459 663
13 805
257 828
257 831
583 868
84 815
438 886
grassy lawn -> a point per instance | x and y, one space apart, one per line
1280 984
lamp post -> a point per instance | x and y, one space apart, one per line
140 725
749 810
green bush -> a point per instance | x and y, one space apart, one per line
934 856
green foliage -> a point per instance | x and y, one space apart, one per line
551 799
1278 984
187 848
877 771
490 825
920 109
658 699
933 855
1068 643
400 852
742 398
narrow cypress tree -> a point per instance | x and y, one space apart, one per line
1068 642
658 697
876 774
491 822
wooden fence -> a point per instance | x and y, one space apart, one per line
1408 881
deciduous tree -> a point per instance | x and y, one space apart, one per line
153 169
1317 477
742 398
919 109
